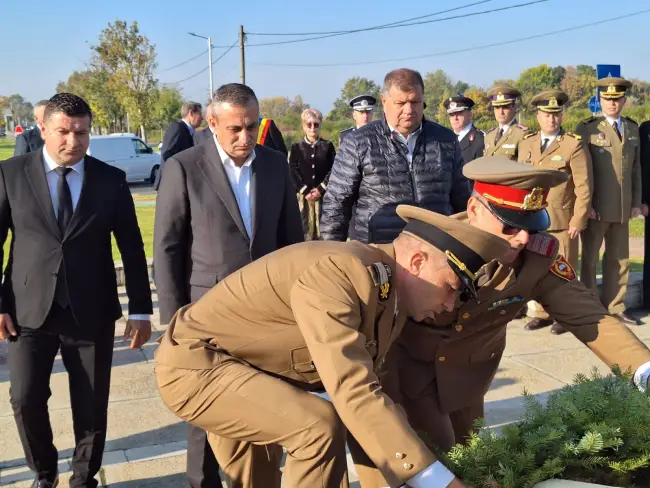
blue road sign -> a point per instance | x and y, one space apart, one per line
594 105
603 71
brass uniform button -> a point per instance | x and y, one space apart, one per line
408 466
492 355
459 328
467 315
400 455
502 312
441 358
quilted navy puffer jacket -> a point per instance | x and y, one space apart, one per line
371 171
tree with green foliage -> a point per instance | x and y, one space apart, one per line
22 111
352 88
167 104
130 60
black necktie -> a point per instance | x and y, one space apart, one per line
618 132
545 144
65 199
64 216
499 135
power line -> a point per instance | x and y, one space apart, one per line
205 69
471 14
457 51
184 62
374 27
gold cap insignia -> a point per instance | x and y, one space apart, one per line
500 97
453 105
611 89
552 102
534 200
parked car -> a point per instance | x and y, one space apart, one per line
3 132
127 152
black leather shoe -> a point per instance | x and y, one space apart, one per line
536 324
45 483
627 319
557 329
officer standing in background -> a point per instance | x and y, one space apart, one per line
459 109
644 135
362 107
568 203
613 142
504 139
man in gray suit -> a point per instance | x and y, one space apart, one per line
31 140
221 205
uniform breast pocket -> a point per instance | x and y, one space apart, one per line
599 141
303 365
491 350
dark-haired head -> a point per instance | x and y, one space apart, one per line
236 112
66 128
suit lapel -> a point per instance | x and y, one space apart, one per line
212 167
90 185
36 176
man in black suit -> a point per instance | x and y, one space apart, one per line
470 139
221 205
203 135
644 136
179 135
31 139
59 291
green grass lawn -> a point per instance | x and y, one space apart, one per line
6 148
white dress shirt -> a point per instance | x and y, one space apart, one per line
618 121
75 180
505 127
550 138
240 182
410 140
464 131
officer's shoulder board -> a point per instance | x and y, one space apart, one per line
380 273
631 120
575 136
522 127
590 120
563 269
530 134
543 244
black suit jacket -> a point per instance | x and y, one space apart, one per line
274 139
644 135
177 138
38 250
199 234
29 141
201 136
472 145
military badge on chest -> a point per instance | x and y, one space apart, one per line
505 302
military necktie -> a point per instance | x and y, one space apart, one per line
64 216
618 132
545 144
499 135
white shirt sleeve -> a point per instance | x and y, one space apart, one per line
435 475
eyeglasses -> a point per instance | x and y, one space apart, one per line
509 230
315 125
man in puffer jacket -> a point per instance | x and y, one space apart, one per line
400 159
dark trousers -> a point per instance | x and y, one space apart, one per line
202 466
646 265
87 358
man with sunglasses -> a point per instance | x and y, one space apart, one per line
440 370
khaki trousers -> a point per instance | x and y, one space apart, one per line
569 248
250 416
616 261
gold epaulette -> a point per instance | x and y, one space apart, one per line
530 134
575 136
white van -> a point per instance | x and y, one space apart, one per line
127 152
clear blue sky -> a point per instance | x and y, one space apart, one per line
44 43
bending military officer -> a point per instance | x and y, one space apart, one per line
464 347
317 316
569 203
504 139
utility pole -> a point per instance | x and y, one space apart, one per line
209 57
242 56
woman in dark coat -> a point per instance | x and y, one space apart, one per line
310 161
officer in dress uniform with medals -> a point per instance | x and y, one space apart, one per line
439 370
504 139
362 107
470 139
614 144
317 317
568 203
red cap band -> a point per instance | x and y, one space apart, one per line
514 198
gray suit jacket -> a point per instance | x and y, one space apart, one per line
29 141
199 234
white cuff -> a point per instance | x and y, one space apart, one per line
435 475
139 316
641 376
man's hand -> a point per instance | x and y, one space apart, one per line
141 330
636 211
644 209
316 194
574 232
592 214
7 328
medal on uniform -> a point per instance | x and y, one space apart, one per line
471 138
384 291
601 136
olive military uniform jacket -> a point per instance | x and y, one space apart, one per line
509 142
568 203
464 347
316 315
617 167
